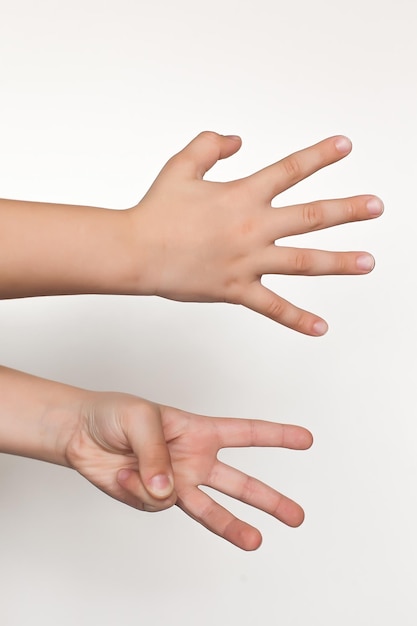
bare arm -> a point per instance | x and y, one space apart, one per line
51 249
144 454
188 239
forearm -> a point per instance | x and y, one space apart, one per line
49 249
37 416
188 239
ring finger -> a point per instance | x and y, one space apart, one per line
307 262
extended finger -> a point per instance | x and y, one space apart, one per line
249 490
234 432
266 302
219 520
307 262
275 178
305 218
143 427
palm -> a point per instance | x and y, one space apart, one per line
108 442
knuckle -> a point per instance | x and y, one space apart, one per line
209 135
206 512
277 506
292 167
313 215
302 262
350 210
341 263
300 321
303 320
248 489
143 410
275 309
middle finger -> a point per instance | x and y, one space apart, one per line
305 218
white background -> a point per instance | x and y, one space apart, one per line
94 97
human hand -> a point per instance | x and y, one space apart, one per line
212 242
120 444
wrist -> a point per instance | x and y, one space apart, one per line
37 417
55 430
143 251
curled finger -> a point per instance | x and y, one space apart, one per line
137 496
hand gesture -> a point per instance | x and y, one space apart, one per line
151 457
212 242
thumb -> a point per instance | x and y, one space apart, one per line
145 434
206 149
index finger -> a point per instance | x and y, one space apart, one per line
276 178
240 433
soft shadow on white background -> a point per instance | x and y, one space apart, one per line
94 98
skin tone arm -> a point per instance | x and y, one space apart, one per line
188 239
145 455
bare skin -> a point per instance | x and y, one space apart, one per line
191 240
188 239
143 454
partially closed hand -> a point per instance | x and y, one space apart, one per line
123 442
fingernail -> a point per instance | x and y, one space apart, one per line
343 145
234 137
160 485
365 262
375 206
320 328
